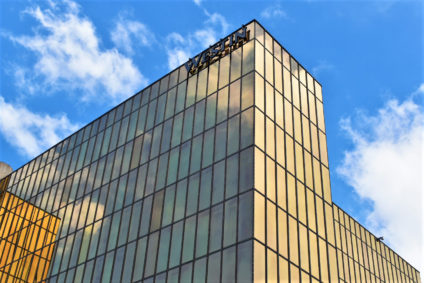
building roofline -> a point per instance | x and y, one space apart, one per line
354 219
146 87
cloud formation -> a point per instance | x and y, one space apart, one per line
322 66
30 132
69 57
128 33
386 167
274 11
180 48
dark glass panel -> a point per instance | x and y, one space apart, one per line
199 117
170 104
184 160
205 188
245 216
165 237
233 134
200 270
210 111
222 106
202 233
230 223
221 141
188 123
214 266
123 230
229 265
135 221
117 266
168 206
139 258
145 216
216 228
152 249
189 237
181 94
161 175
192 194
157 211
246 169
196 154
218 182
173 166
244 262
114 230
128 263
208 143
166 136
180 200
176 243
177 130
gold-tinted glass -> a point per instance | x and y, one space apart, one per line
27 240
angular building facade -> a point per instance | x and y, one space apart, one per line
216 172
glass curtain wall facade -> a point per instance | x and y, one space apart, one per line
219 174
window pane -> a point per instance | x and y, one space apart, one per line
248 57
247 91
168 206
216 228
213 77
157 211
201 84
151 254
229 265
231 186
222 105
189 237
234 103
202 233
177 233
210 111
199 117
205 188
165 237
244 262
235 64
192 194
180 200
218 182
224 69
230 223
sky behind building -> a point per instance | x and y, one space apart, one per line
63 65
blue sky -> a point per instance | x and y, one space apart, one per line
62 65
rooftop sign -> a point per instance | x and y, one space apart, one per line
214 51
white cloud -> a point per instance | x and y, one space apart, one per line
180 48
274 12
197 2
386 167
32 133
128 33
69 57
322 66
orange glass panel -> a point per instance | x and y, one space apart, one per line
25 253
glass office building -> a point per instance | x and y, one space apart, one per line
216 172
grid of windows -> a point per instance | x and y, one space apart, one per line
221 175
26 240
156 183
293 225
363 258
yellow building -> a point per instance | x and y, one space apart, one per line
217 171
27 236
